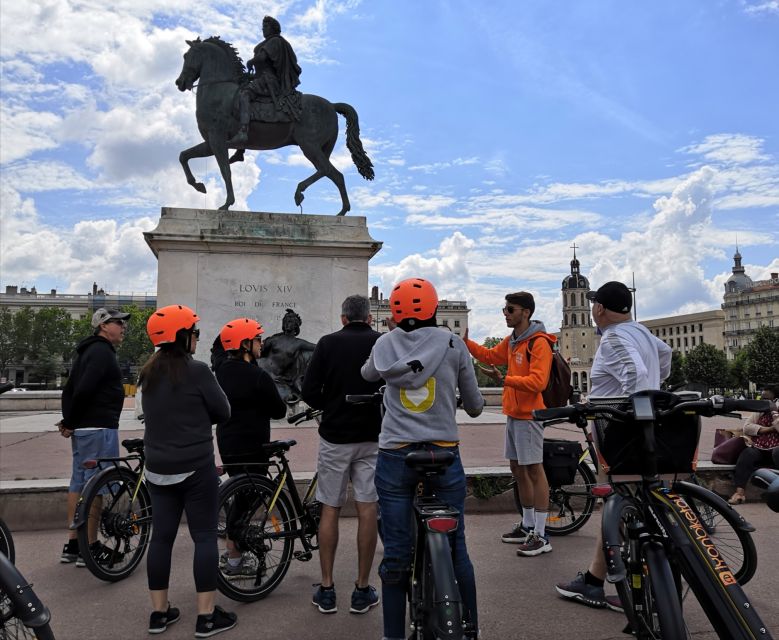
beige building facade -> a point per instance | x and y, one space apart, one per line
685 332
451 313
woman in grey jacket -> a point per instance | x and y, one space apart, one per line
181 400
423 367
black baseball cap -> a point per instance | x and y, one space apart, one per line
615 296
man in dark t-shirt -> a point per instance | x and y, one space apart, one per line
348 447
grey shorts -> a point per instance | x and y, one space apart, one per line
524 441
338 464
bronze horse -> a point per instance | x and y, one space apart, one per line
220 72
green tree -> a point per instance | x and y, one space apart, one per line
739 377
22 333
136 348
676 377
763 356
705 363
51 332
6 339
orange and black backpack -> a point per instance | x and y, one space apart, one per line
559 390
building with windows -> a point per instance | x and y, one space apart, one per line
685 332
747 306
578 340
451 313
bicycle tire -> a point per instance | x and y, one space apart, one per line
266 541
665 594
11 628
7 542
123 528
570 505
723 524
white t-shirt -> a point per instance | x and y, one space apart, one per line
629 359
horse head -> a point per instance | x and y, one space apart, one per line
190 72
212 56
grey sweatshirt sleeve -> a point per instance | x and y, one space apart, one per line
217 404
369 371
473 401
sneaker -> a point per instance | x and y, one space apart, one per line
363 599
103 554
517 535
69 552
324 599
80 561
535 545
220 620
579 591
161 620
243 568
615 604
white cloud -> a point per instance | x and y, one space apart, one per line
729 148
435 167
762 7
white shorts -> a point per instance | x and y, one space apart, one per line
524 441
338 464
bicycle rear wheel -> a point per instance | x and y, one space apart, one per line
570 505
11 628
265 538
118 509
7 542
723 524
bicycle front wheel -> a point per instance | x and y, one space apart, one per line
118 523
570 505
724 526
665 605
265 538
11 628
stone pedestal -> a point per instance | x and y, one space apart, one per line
227 264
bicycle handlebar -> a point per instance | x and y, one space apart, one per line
768 479
365 398
6 386
308 414
716 405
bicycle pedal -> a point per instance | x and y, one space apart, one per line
303 556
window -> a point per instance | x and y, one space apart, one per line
575 379
583 334
700 327
456 323
573 299
446 323
565 320
693 341
677 331
584 320
686 344
678 341
685 328
581 297
663 330
573 319
692 328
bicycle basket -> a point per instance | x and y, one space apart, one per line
561 457
621 446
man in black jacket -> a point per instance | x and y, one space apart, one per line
91 405
347 449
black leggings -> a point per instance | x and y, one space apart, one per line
198 495
751 459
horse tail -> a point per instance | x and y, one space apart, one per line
353 143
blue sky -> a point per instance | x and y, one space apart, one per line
501 133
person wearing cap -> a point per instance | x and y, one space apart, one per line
348 447
629 359
527 352
91 405
254 401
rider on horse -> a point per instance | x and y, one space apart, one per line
277 75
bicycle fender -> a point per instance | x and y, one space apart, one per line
682 486
616 571
440 553
26 605
80 516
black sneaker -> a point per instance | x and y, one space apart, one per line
363 599
324 599
159 621
517 535
69 552
220 620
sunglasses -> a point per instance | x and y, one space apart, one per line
509 308
116 321
196 333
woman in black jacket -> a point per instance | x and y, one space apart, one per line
181 400
254 400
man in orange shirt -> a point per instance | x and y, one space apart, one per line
528 354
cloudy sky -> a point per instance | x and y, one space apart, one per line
501 132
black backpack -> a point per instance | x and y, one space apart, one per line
559 390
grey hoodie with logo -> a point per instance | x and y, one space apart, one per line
423 370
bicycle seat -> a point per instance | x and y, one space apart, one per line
430 462
133 445
278 446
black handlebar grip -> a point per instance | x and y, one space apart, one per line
360 398
296 417
758 406
555 413
6 386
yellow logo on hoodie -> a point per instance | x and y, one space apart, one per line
419 400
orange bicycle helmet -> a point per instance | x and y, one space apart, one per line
238 330
413 298
165 322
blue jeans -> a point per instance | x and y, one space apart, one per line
396 485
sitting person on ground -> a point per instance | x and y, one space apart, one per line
181 400
423 367
254 401
762 430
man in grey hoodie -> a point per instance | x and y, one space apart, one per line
423 367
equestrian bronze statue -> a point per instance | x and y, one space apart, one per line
263 110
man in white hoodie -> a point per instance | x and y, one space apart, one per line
423 366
